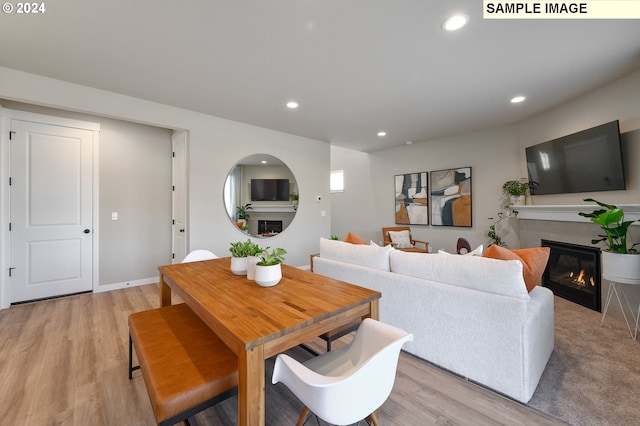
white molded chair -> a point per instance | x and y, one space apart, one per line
200 254
348 384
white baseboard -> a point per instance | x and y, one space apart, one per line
126 284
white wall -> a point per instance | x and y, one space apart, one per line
495 156
490 154
215 145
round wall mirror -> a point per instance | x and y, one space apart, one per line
261 196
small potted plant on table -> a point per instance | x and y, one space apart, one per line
268 268
239 252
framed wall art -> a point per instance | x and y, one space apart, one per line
451 197
412 199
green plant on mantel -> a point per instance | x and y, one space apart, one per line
518 188
610 218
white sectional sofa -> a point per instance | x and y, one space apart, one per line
470 315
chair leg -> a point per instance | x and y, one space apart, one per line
372 419
303 416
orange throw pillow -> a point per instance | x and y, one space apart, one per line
354 239
534 261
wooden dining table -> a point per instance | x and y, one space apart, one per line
260 322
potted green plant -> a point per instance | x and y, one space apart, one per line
268 268
493 234
242 211
620 262
239 252
516 190
252 259
294 200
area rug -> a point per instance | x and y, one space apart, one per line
593 376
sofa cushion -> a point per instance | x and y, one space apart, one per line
358 254
401 238
534 261
475 272
354 239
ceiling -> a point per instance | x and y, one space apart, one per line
356 67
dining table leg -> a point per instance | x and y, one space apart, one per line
165 292
251 381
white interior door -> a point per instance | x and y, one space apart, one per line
179 139
51 210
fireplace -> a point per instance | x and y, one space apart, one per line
573 273
269 227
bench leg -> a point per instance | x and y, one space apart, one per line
131 367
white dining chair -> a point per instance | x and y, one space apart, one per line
199 254
347 384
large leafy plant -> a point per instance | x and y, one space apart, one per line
610 218
243 211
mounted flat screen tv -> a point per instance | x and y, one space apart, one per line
269 189
587 161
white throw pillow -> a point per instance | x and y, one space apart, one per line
402 239
357 254
475 252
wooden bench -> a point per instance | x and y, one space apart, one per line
186 367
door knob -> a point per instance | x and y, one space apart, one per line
87 231
182 230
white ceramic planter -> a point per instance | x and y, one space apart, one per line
621 268
239 265
517 200
267 276
251 267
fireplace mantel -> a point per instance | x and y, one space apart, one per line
569 213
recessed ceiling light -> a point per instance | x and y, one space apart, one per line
517 99
381 134
408 142
292 105
263 161
455 22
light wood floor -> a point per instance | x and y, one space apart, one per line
64 362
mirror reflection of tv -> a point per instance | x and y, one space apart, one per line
586 161
269 189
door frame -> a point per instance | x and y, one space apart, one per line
6 115
175 204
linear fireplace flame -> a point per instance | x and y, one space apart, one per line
581 280
573 273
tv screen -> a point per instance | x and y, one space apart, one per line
587 161
269 190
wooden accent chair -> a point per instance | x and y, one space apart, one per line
417 245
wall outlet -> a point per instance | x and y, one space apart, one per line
114 215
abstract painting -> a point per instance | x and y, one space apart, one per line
412 199
451 197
